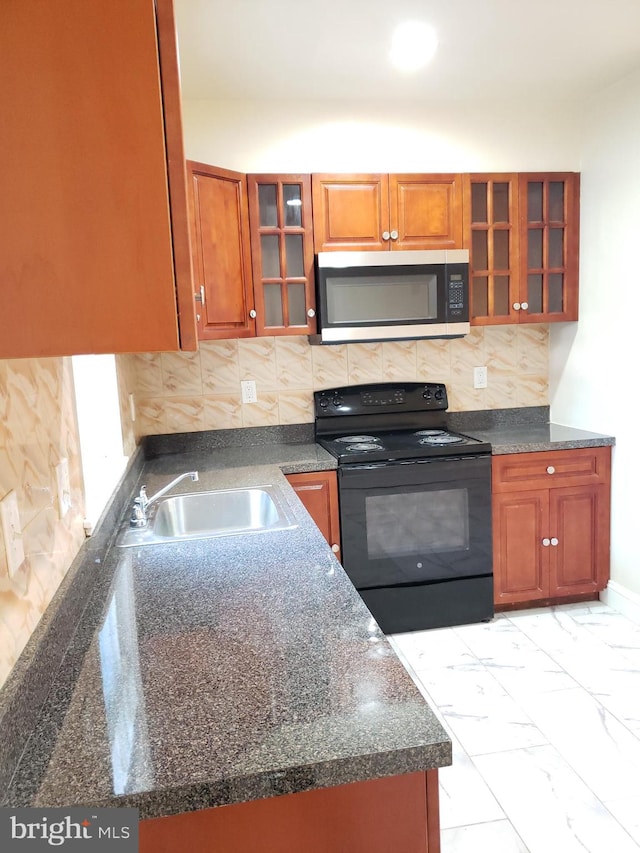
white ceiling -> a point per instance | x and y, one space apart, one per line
337 49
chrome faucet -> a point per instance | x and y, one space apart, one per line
142 502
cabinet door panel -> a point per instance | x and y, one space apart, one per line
86 255
318 492
521 561
426 211
282 254
221 253
350 212
491 234
549 228
579 521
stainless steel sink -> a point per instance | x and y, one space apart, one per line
203 515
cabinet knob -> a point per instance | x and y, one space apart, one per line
551 469
524 306
335 548
253 314
546 542
516 306
385 235
394 235
311 313
554 541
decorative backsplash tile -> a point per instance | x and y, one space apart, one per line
37 429
288 369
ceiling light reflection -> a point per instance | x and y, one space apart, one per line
413 45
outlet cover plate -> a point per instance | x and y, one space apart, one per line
249 392
480 377
12 532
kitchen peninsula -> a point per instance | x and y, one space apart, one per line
231 676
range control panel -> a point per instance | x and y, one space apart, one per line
381 397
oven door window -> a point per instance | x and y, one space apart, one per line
416 523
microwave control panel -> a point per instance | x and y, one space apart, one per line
457 291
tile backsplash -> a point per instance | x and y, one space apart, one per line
187 392
38 428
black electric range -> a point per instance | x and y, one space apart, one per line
415 504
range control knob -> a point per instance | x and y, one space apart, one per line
323 402
439 394
427 394
337 402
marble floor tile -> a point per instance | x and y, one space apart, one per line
496 837
627 813
602 751
464 795
543 710
476 708
438 647
549 806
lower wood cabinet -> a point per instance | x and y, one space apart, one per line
396 813
318 491
551 524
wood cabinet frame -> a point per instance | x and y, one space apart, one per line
551 525
356 211
570 223
221 252
399 813
318 491
281 230
94 254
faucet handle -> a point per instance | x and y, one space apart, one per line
138 515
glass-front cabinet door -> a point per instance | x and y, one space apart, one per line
491 235
549 228
282 254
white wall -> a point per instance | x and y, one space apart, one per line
592 369
260 136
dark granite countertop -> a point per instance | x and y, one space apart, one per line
182 676
219 671
526 430
537 437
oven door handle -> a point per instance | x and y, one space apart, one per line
392 463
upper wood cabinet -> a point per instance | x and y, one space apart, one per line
522 235
549 240
382 212
221 252
94 255
491 230
282 254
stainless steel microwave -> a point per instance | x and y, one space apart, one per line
381 296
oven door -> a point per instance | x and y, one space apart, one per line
416 522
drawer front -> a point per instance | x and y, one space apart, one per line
548 469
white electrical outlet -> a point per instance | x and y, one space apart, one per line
64 487
479 377
249 392
12 532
